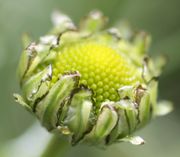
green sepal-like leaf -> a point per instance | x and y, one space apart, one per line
152 69
127 49
62 23
70 37
127 122
141 43
95 21
48 108
42 52
152 88
125 29
144 109
134 46
160 62
122 127
126 92
20 100
78 115
106 121
26 58
26 40
37 86
31 57
130 113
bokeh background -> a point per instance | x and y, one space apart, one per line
161 18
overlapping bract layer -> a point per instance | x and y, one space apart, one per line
93 84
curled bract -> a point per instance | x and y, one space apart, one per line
91 83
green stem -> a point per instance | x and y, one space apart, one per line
57 147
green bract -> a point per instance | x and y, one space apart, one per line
93 84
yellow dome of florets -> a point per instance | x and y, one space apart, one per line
101 67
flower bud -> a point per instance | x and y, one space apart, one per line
93 84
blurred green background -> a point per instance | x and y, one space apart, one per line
161 18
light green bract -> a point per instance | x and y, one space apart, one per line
92 84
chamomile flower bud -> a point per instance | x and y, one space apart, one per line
92 83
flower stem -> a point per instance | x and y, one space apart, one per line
57 147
